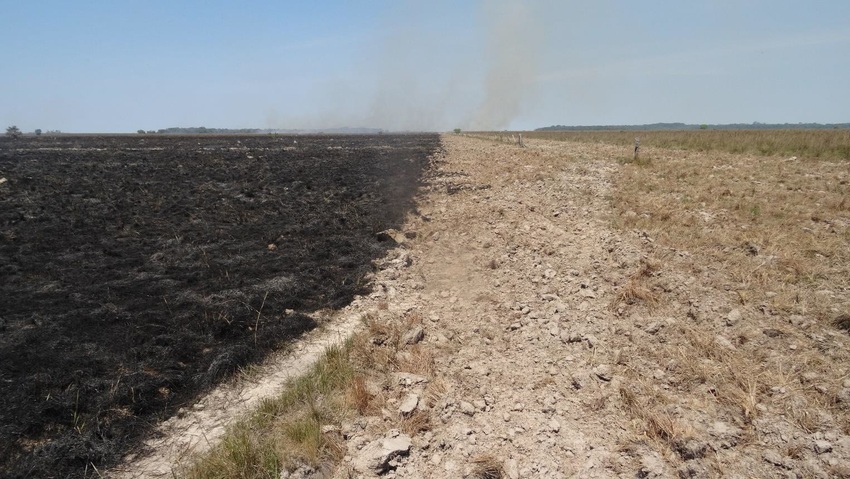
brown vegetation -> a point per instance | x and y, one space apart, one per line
773 232
822 144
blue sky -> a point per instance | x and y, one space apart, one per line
117 66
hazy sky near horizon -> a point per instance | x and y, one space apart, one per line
118 66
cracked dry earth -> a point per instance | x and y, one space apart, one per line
547 359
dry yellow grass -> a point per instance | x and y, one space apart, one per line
648 407
824 144
769 231
486 467
778 227
636 289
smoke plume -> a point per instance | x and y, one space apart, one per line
511 53
477 75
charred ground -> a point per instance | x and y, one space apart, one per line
135 272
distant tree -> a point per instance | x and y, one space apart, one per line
13 131
141 132
37 132
457 131
703 127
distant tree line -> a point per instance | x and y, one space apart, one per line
684 126
15 132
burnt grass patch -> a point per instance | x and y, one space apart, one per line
137 272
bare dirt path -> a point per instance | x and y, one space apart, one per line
519 270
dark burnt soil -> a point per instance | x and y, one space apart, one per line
136 272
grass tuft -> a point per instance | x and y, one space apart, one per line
657 424
842 321
637 290
486 467
286 432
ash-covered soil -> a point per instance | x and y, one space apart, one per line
136 272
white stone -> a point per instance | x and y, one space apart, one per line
467 408
733 317
375 457
408 404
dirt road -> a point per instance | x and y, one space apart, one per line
519 268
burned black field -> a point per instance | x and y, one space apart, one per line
136 272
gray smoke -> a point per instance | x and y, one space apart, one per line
512 45
414 78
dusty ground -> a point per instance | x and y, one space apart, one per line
566 348
560 346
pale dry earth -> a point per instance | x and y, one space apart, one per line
553 368
544 362
519 268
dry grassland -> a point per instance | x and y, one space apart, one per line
810 144
772 232
763 216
